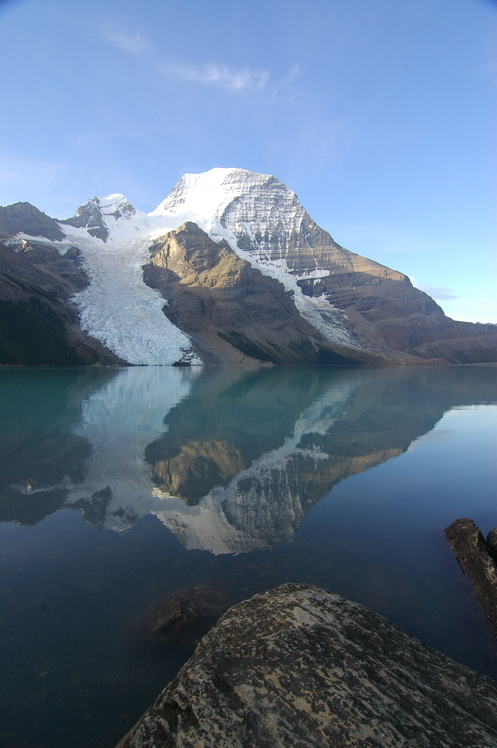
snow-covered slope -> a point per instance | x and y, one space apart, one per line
360 310
117 307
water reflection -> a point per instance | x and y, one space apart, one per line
229 459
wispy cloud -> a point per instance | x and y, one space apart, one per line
439 294
235 79
132 41
283 89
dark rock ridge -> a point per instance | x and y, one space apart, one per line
477 558
91 217
88 216
302 666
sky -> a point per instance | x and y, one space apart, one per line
380 114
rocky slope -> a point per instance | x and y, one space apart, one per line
228 269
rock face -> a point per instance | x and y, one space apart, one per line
301 666
477 558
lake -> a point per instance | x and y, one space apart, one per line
121 486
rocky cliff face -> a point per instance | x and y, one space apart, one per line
230 268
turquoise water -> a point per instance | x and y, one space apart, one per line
119 487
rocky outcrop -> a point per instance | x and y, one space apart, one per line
302 666
477 559
186 616
89 216
232 312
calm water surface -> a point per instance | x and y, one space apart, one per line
119 487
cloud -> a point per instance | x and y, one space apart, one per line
439 294
234 79
283 90
133 42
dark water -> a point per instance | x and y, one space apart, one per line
119 487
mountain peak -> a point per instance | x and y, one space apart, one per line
94 213
209 193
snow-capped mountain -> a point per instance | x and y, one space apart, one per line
229 268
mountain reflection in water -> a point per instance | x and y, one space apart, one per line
230 460
122 490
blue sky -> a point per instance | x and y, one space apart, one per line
379 114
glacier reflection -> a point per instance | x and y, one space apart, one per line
228 459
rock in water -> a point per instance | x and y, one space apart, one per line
476 558
186 616
299 666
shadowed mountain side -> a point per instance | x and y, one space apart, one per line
232 312
38 326
25 218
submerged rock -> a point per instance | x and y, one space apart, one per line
186 616
476 557
299 666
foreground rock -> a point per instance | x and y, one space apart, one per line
299 666
476 557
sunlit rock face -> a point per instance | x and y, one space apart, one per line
232 311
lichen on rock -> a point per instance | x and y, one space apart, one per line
299 666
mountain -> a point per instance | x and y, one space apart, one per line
229 268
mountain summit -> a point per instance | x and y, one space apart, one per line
229 268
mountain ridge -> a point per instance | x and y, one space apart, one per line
143 299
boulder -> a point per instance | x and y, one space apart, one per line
475 556
299 666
